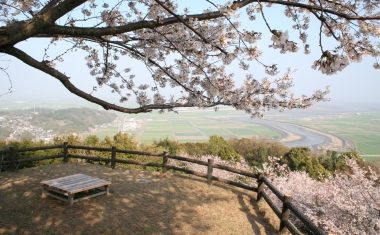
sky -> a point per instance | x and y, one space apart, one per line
359 83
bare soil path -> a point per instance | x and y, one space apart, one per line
175 204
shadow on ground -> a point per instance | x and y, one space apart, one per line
175 204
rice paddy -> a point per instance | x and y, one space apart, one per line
192 127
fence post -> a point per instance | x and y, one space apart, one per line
165 163
260 186
209 171
113 157
65 152
12 157
285 210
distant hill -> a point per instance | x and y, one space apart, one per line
63 121
71 120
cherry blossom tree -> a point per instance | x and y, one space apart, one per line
188 51
344 203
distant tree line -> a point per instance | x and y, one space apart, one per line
316 163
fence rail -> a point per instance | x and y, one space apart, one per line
34 159
282 214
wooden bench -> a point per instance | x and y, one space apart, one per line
69 185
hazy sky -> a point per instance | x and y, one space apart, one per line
357 83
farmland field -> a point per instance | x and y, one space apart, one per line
362 128
197 127
371 159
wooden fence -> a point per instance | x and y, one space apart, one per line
282 214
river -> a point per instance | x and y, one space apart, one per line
302 136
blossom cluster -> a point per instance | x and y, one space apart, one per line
227 10
281 41
330 63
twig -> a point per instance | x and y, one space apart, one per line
10 82
262 13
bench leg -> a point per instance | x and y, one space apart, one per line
107 188
43 195
71 199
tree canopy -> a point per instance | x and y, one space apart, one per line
186 50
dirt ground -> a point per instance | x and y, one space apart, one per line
172 204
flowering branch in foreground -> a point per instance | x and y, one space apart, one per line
187 50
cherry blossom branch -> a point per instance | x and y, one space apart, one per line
201 70
83 20
75 31
16 8
179 51
239 33
188 26
22 30
233 25
97 32
73 89
323 20
151 61
317 8
340 5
